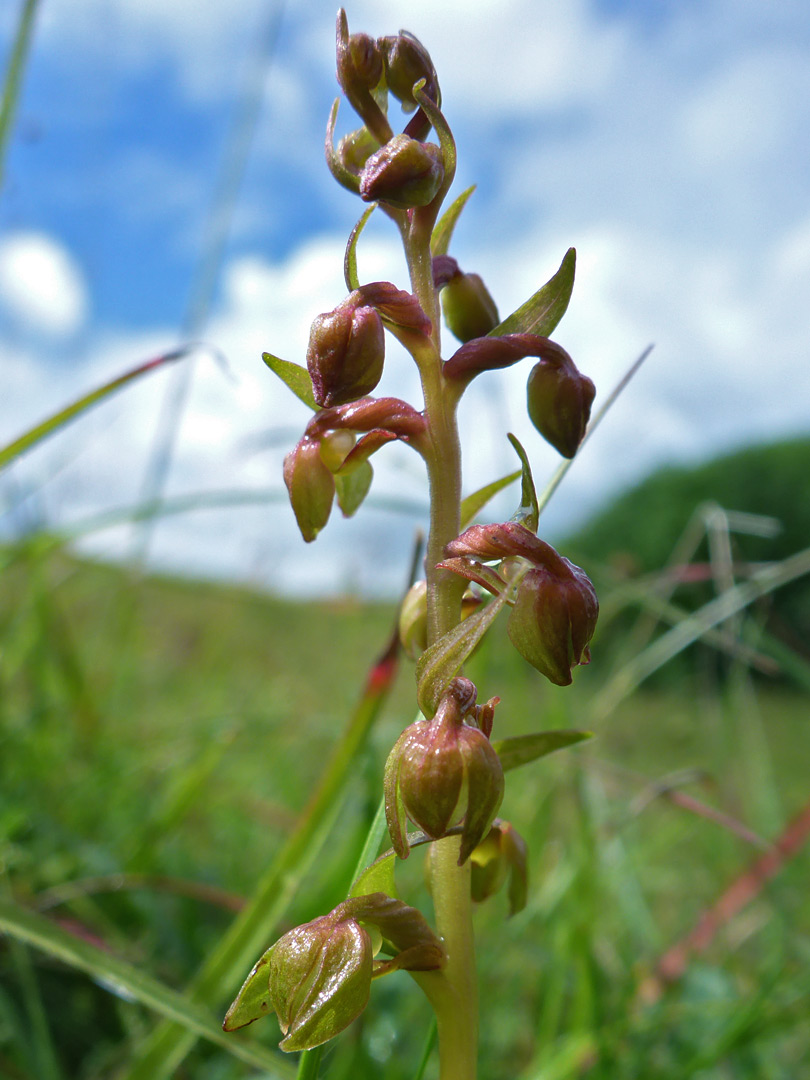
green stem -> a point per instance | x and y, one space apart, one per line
453 991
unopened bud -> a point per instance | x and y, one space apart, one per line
320 977
359 64
345 354
335 447
501 853
442 771
553 620
406 62
404 173
469 310
311 487
559 399
413 620
354 150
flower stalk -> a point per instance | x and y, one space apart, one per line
443 774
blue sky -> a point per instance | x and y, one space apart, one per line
666 141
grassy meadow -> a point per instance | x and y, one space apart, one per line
160 740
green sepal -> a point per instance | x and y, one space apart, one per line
443 232
521 749
295 377
527 513
541 312
352 487
253 1000
446 140
475 502
350 258
336 167
443 660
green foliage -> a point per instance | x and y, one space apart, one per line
183 720
637 532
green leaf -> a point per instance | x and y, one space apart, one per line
352 487
350 258
253 1000
379 877
474 503
293 376
522 749
442 661
443 232
36 930
59 419
527 513
541 312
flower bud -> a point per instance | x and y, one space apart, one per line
502 852
311 487
443 770
335 448
469 310
359 64
320 978
345 354
403 173
413 620
354 150
406 62
559 399
553 620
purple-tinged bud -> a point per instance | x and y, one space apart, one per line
502 852
311 487
469 310
406 62
346 354
442 771
359 71
559 399
553 619
396 305
359 64
320 978
404 173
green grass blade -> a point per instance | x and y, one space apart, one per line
64 416
674 641
14 74
36 930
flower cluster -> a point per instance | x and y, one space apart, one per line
445 774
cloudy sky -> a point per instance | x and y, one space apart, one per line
666 141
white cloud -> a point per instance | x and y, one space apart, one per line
41 284
670 161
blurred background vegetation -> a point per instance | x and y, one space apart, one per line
160 738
